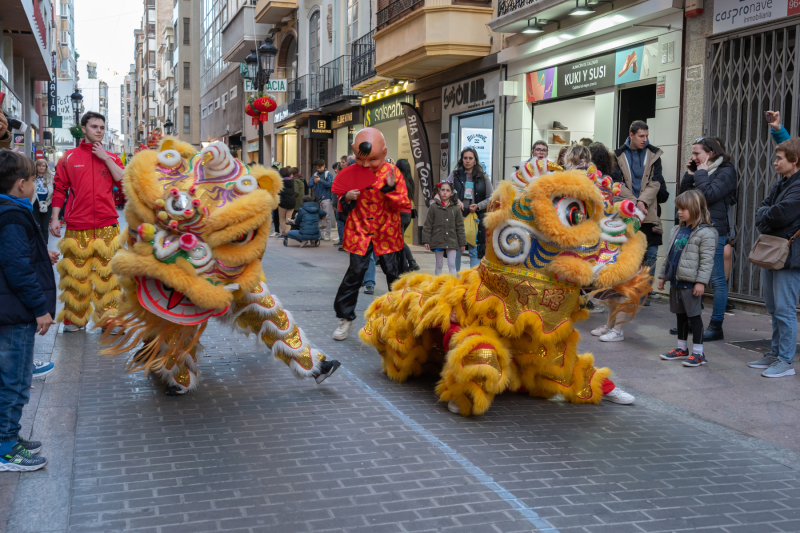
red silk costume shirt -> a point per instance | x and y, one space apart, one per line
376 216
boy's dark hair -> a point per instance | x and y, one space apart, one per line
319 163
13 167
307 198
295 170
637 125
537 143
285 172
89 115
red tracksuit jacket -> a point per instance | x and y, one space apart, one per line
91 199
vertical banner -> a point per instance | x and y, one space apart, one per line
52 97
421 150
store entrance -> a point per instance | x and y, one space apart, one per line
473 129
636 103
563 123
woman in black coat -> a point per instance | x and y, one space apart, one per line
711 172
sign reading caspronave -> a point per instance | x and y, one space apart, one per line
734 14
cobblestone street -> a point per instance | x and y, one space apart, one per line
254 450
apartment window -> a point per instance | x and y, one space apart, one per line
313 43
233 93
186 30
186 75
205 113
352 21
151 29
216 103
224 98
151 57
187 118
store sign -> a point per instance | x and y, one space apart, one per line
473 93
276 86
387 109
249 86
280 116
735 14
480 139
348 118
65 89
319 127
52 97
623 66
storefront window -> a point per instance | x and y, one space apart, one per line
473 130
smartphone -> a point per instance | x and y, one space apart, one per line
768 116
692 166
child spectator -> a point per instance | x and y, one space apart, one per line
692 245
27 306
444 229
286 198
307 223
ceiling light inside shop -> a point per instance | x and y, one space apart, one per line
580 11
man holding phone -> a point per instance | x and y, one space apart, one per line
89 173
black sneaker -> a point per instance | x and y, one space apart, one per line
413 266
673 331
21 460
696 359
341 249
33 446
369 290
174 390
326 368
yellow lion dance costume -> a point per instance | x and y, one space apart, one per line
508 324
197 230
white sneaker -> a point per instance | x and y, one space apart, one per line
619 396
452 406
598 309
613 336
327 237
274 234
71 328
602 330
344 329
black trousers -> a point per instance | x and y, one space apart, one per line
347 295
405 220
43 220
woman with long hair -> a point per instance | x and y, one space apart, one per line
473 188
601 158
711 172
42 208
405 216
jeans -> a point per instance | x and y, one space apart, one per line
295 234
405 220
369 277
340 227
326 224
473 257
347 295
781 288
16 373
719 283
651 258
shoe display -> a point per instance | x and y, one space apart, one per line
21 460
33 446
619 396
778 369
602 330
613 336
344 329
326 368
558 140
559 126
713 332
765 362
696 359
369 289
41 368
674 355
629 61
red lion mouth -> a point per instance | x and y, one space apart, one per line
172 305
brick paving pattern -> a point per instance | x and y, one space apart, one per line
254 450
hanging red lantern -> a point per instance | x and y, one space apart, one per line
250 112
264 105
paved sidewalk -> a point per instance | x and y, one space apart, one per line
254 450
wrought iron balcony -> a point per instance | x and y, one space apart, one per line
303 93
507 6
362 59
335 81
391 10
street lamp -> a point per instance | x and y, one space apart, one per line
168 126
260 66
76 98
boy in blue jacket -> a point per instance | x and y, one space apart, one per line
27 306
320 184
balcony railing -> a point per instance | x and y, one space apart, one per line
362 59
335 81
391 10
507 6
303 93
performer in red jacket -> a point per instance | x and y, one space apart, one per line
89 173
373 207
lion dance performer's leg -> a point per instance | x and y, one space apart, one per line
86 279
261 313
477 367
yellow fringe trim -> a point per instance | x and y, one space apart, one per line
79 288
71 302
78 320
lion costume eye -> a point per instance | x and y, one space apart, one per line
247 237
512 242
571 211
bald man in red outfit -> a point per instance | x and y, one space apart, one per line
372 226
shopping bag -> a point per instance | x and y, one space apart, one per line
471 228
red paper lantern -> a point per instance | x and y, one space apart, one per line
250 112
264 105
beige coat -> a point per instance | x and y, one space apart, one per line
649 187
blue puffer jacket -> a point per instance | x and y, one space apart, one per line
27 282
322 189
307 221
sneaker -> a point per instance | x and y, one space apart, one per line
765 362
413 266
337 243
304 244
696 359
32 446
327 238
286 242
778 369
597 310
602 330
71 328
613 336
369 289
174 390
619 396
21 460
673 331
326 368
41 369
675 354
344 329
341 249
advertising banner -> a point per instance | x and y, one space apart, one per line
64 103
421 150
386 109
52 97
622 66
481 140
735 14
